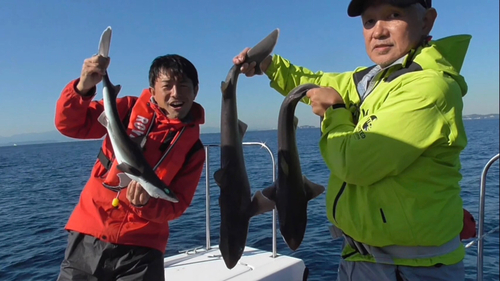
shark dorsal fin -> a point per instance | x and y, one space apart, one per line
295 122
219 177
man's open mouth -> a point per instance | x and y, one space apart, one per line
177 104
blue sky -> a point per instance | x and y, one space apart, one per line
43 45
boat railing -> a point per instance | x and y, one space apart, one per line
207 191
479 239
481 234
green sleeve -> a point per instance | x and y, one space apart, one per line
385 143
285 76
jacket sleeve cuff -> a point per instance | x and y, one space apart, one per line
273 67
90 94
337 119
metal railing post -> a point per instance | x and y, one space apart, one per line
275 251
481 218
207 196
207 192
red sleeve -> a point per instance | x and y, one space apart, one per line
184 186
76 115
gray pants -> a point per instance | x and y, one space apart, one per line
90 259
367 271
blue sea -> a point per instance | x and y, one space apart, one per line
40 184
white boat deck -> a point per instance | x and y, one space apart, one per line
254 265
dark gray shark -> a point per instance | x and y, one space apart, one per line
292 190
235 201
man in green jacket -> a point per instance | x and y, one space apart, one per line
392 135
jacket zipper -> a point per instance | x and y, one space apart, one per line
383 215
337 197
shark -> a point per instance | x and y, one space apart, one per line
237 206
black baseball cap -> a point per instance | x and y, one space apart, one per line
356 7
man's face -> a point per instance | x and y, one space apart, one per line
174 95
391 32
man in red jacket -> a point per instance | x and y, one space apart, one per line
116 231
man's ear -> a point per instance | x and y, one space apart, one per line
429 19
152 91
195 90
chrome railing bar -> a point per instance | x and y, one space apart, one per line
207 192
481 217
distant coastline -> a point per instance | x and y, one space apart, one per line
480 116
55 136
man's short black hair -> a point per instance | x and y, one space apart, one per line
178 65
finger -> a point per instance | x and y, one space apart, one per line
103 64
144 198
237 59
94 68
250 72
315 110
91 66
244 67
98 64
309 93
131 190
137 194
241 57
108 61
94 58
103 61
129 187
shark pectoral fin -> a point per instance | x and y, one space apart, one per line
223 86
312 189
261 204
295 122
242 128
123 179
219 177
126 168
270 192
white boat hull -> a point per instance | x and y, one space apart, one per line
254 265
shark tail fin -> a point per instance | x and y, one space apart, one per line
264 48
242 127
261 204
313 190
